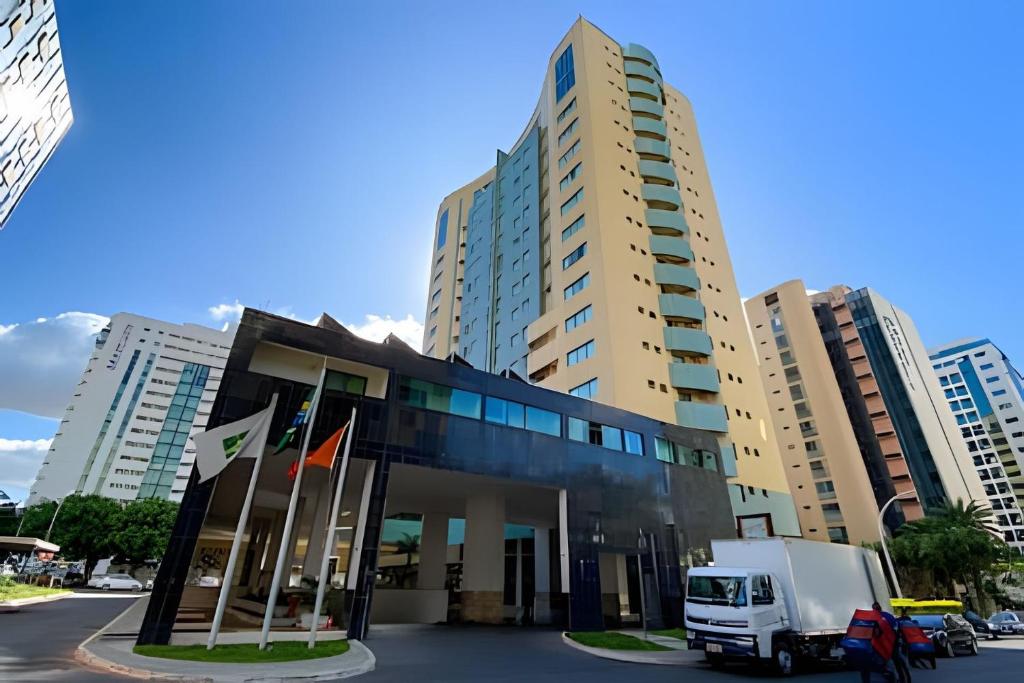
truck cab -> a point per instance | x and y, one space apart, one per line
734 612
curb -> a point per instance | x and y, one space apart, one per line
624 655
87 658
15 605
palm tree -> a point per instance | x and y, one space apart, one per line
955 542
408 544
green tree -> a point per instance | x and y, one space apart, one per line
85 528
955 543
35 520
144 529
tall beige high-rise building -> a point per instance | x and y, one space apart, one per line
591 260
824 464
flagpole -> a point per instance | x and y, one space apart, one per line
332 527
229 571
282 554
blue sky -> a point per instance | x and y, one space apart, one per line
292 156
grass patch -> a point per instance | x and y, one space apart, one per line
248 653
614 641
17 591
677 633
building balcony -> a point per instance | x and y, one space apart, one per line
729 461
674 276
664 222
642 70
640 105
680 306
641 88
693 376
688 341
650 128
659 172
659 149
671 248
661 197
634 51
709 416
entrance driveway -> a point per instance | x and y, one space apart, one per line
484 653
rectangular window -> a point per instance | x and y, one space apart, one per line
574 256
662 449
634 442
569 108
543 421
578 429
573 228
568 132
572 201
565 74
792 374
435 297
577 287
580 353
442 229
611 437
986 366
433 313
571 176
989 380
421 394
581 316
586 390
569 154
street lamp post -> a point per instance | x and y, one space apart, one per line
55 513
881 539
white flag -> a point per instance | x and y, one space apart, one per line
241 439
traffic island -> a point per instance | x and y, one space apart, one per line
14 596
633 647
249 653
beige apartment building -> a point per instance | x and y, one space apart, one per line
590 259
826 470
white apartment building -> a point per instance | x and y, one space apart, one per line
986 395
127 431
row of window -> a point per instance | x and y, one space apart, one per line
573 228
580 353
574 256
572 201
576 287
427 395
578 318
608 437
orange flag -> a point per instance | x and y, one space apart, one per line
323 456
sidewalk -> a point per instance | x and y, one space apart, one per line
110 649
677 656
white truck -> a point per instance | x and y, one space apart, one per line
776 600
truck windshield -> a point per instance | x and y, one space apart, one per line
718 590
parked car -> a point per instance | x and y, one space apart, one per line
982 626
1008 622
951 633
116 582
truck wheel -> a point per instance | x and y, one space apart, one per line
950 651
974 647
782 660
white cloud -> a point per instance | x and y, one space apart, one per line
20 460
41 361
228 312
376 328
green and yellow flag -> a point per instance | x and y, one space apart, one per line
241 439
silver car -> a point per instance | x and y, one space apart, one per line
115 582
1008 623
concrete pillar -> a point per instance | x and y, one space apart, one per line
483 566
563 538
433 551
542 575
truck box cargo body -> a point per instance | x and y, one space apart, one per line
779 599
827 581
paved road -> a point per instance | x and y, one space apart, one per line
453 654
38 643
